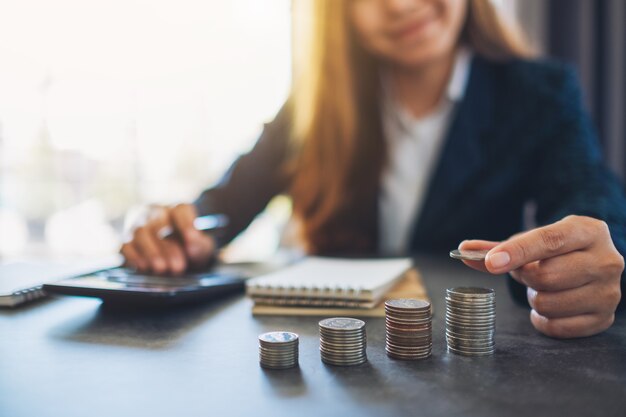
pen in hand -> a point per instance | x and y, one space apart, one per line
209 223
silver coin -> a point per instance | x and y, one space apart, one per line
472 306
468 334
420 348
407 320
288 358
409 338
466 317
269 358
335 363
469 292
466 353
409 317
470 328
278 354
346 338
342 324
280 367
339 338
403 356
473 349
410 304
342 357
277 364
342 350
470 322
470 347
406 323
341 344
469 255
277 351
327 348
278 337
485 332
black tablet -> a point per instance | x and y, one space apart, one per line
124 286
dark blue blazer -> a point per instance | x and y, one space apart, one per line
521 145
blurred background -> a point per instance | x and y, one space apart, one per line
106 106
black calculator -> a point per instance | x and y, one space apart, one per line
125 286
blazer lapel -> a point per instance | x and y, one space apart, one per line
461 156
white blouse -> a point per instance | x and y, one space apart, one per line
413 149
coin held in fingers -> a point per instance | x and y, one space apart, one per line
469 255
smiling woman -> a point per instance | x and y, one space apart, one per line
105 105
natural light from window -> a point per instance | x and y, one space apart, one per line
106 105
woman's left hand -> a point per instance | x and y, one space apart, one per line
572 271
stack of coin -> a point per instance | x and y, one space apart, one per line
342 341
278 350
471 321
409 330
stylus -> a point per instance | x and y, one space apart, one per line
209 223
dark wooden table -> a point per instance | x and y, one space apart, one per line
76 357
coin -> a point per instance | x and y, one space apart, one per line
278 350
408 329
341 324
470 321
408 304
469 255
342 341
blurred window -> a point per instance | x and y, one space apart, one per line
105 105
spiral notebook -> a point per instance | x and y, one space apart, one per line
328 282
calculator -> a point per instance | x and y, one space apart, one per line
126 286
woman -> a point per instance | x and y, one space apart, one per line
415 124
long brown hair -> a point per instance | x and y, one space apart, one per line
337 131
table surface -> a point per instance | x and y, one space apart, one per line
76 357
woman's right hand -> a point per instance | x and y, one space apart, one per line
147 252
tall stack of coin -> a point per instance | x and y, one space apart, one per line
409 330
278 350
342 341
471 320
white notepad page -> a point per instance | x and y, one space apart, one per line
317 277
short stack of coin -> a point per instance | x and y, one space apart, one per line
278 350
471 321
409 330
342 341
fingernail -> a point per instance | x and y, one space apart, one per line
499 259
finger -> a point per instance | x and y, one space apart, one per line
171 250
203 252
564 272
132 258
545 242
174 256
182 217
147 246
477 245
570 327
588 299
